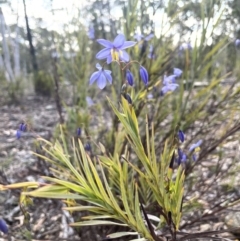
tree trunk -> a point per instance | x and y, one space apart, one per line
29 37
6 54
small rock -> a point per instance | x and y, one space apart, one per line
232 220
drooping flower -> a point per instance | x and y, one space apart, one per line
181 136
151 54
89 101
171 79
237 43
79 131
22 127
168 88
115 50
129 77
88 147
91 33
177 72
194 148
140 37
101 76
3 226
182 157
144 75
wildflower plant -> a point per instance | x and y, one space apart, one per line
138 176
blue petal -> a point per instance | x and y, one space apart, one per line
104 53
101 82
129 77
124 56
98 66
3 226
94 77
149 37
195 145
181 136
144 75
109 59
119 41
173 87
105 43
177 72
108 76
128 44
18 134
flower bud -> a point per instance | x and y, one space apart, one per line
129 77
144 75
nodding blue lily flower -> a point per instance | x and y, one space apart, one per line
89 101
3 226
101 76
91 33
129 77
195 148
151 54
237 43
168 88
88 147
182 157
181 136
171 79
177 72
22 127
79 131
144 75
115 50
140 37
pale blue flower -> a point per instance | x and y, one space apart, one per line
195 146
237 43
171 79
102 76
168 88
177 72
91 33
115 50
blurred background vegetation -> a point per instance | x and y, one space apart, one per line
54 56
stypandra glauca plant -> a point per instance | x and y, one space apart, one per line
137 189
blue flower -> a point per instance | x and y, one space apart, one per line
3 226
237 42
79 131
115 51
151 54
129 77
139 37
195 146
181 136
101 76
182 157
169 79
22 127
144 75
91 33
89 101
168 88
177 72
88 147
